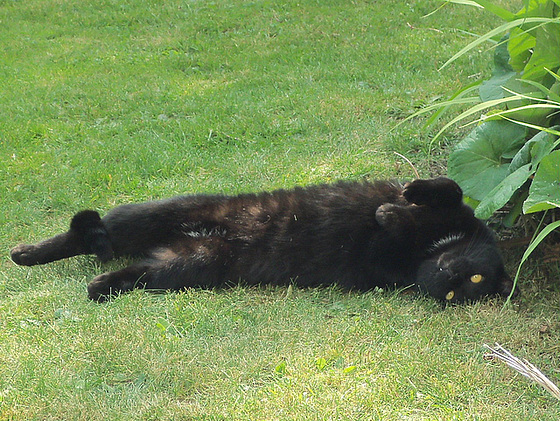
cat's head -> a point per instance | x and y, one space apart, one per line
460 270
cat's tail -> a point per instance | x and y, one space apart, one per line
87 235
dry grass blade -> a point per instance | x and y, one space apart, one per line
409 163
522 366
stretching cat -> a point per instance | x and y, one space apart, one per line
359 235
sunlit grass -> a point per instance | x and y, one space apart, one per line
116 101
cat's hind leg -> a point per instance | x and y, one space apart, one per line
103 286
87 235
203 263
397 221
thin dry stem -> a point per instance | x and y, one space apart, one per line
410 163
524 367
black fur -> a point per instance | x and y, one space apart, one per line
359 235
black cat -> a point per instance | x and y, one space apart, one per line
358 235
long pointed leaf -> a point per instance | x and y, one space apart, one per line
532 246
547 91
523 107
473 110
457 95
497 10
429 108
555 75
500 29
533 126
465 2
549 101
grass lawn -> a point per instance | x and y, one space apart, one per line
113 101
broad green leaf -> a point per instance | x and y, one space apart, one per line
554 92
493 88
502 73
534 150
546 54
533 8
520 47
501 194
544 192
477 162
544 147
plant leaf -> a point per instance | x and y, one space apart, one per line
456 101
497 10
473 110
477 163
546 52
502 73
501 194
465 2
533 126
544 192
520 46
534 150
499 30
532 246
456 95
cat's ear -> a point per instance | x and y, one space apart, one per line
506 286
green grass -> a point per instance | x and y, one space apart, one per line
116 101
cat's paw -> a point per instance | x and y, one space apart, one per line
436 192
99 289
387 215
24 255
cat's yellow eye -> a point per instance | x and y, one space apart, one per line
475 279
450 295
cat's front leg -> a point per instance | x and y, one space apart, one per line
439 192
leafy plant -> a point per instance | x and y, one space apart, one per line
512 154
499 160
